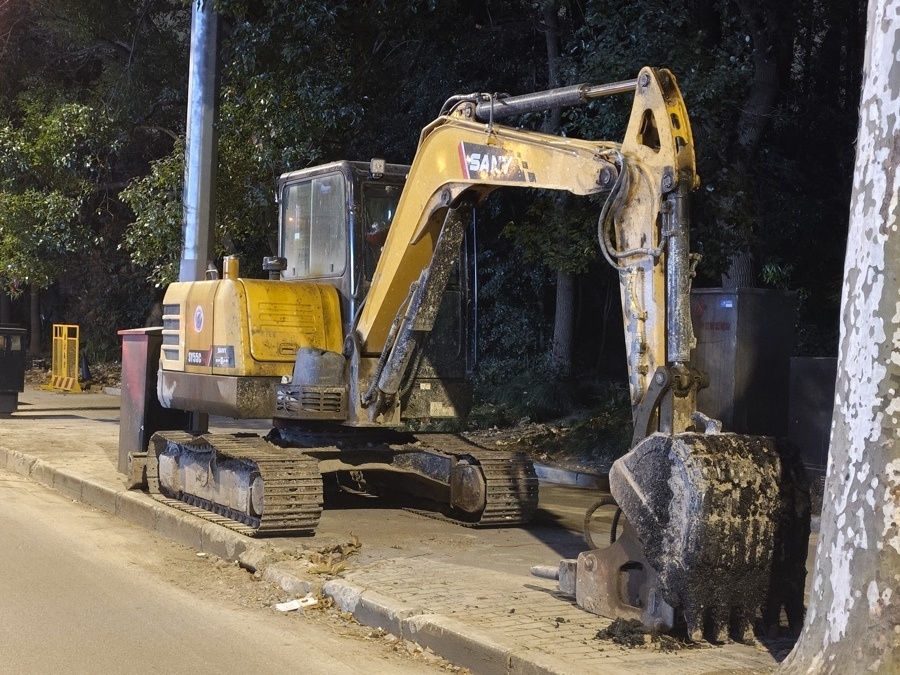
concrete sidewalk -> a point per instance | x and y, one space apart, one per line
466 594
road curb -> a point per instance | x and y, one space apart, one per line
134 507
371 608
445 636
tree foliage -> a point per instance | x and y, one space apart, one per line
771 88
50 153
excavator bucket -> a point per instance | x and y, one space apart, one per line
724 523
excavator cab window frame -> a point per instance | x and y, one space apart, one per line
313 227
375 223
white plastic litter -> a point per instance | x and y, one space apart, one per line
307 600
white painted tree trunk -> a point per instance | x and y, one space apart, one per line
853 622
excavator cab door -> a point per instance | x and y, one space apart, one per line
330 220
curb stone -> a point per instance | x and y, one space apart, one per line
372 608
459 644
69 483
40 472
20 463
288 580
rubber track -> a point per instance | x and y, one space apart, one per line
293 493
510 480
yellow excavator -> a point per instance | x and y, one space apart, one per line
358 347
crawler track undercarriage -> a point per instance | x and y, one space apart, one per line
274 486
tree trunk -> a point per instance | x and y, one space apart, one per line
853 622
563 323
741 271
34 346
771 54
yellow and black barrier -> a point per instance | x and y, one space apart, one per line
64 369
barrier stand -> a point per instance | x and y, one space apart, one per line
64 369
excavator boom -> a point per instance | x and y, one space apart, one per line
461 159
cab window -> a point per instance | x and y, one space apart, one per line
314 227
379 207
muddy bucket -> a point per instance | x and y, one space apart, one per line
716 515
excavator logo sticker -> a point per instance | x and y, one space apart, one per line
488 162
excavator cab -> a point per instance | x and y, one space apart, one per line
334 221
230 343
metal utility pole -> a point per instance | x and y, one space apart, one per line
201 146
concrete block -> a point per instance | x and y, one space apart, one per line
180 527
459 643
345 595
291 580
223 542
371 608
257 557
380 611
100 497
19 463
69 483
138 509
41 472
4 455
537 663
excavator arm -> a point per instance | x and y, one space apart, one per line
709 516
465 155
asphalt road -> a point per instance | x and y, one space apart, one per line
83 592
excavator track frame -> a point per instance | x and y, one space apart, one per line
293 490
293 487
511 482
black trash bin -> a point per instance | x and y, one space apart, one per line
12 367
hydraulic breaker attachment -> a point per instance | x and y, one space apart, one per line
618 581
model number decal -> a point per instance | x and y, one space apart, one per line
198 358
220 356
